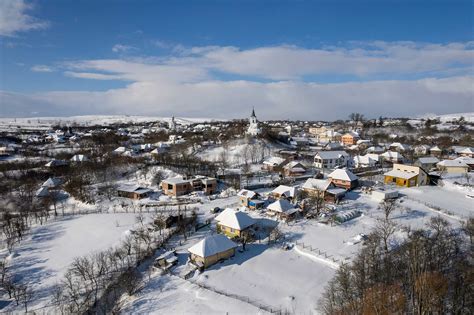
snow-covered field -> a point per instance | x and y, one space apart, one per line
91 120
45 255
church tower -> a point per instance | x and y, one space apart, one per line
253 129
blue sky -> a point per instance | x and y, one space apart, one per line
161 57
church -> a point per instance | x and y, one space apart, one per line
253 129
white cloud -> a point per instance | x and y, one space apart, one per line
41 68
275 100
14 18
206 82
119 48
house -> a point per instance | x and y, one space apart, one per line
179 186
421 149
234 223
78 158
435 151
282 209
469 152
331 159
250 199
330 136
453 166
392 156
344 178
360 161
375 149
133 192
350 138
406 175
294 168
323 188
468 160
399 147
284 192
427 163
273 163
332 146
211 250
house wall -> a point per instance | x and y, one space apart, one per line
401 181
211 260
346 184
228 231
455 170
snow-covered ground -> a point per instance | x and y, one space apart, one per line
45 255
91 120
291 280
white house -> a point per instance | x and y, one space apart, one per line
331 159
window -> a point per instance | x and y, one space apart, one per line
231 230
170 186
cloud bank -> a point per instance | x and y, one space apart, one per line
374 78
14 18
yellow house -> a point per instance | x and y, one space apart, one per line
406 176
211 250
234 223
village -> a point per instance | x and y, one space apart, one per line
175 215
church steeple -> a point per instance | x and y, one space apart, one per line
253 113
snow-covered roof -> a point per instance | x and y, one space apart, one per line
274 160
295 165
352 134
247 193
465 159
364 159
453 163
120 149
400 174
392 155
319 184
42 192
435 148
52 182
212 245
343 174
235 219
282 206
327 155
428 160
467 151
285 190
175 180
133 189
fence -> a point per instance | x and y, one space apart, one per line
322 253
246 299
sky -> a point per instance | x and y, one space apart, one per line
311 60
